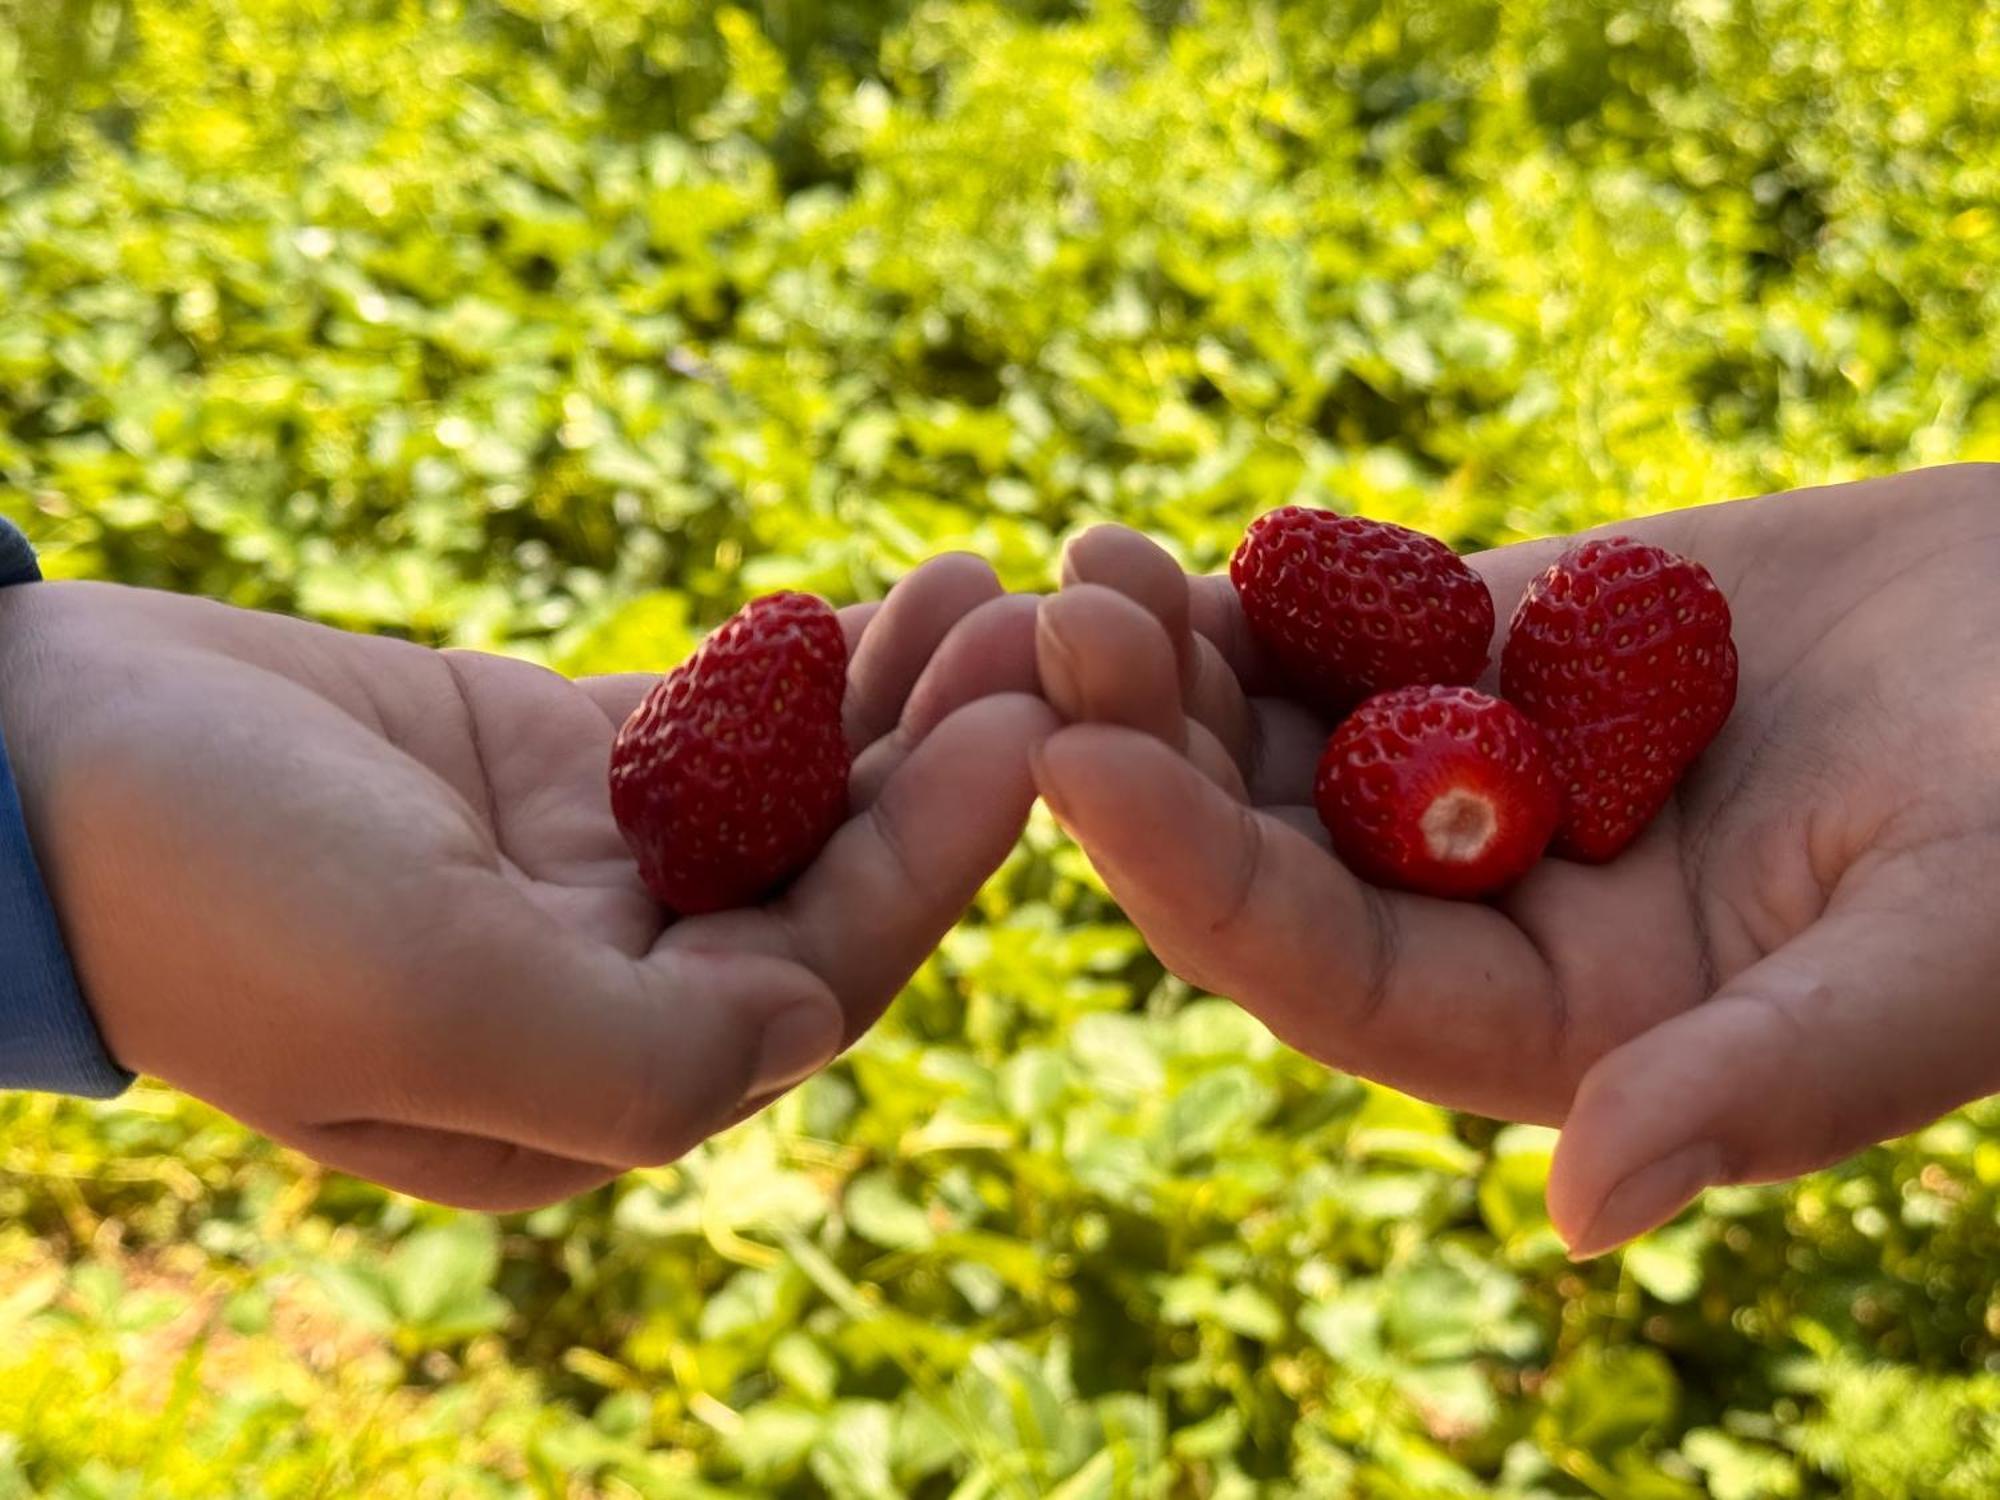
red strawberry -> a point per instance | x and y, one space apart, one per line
1441 790
1351 607
1621 652
732 775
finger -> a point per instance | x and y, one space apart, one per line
507 1026
883 894
1105 659
1444 999
1217 616
1872 1023
460 1171
854 622
1215 698
901 638
1289 742
1131 564
1208 755
989 652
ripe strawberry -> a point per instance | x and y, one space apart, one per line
1441 790
732 774
1351 607
1621 652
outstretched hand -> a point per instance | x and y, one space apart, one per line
1795 961
370 899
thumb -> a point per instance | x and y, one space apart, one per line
1103 659
1130 563
517 1030
1864 1027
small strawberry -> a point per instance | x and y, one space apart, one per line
1440 790
1351 607
1621 652
732 774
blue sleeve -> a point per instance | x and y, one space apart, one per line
48 1040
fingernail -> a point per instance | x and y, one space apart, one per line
1058 667
797 1044
1647 1198
1038 763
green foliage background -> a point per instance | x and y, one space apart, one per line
558 326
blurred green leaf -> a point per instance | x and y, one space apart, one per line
1203 1117
874 1207
1667 1263
1604 1400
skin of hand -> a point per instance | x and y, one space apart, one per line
369 897
1796 960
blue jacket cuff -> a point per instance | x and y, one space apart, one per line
48 1040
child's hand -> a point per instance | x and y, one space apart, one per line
370 897
1796 960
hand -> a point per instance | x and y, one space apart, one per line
370 899
1795 961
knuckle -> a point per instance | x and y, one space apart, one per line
650 1122
649 1127
964 573
905 869
1794 1113
1233 909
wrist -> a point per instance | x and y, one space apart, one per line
49 1039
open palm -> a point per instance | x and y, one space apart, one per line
370 897
1796 959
